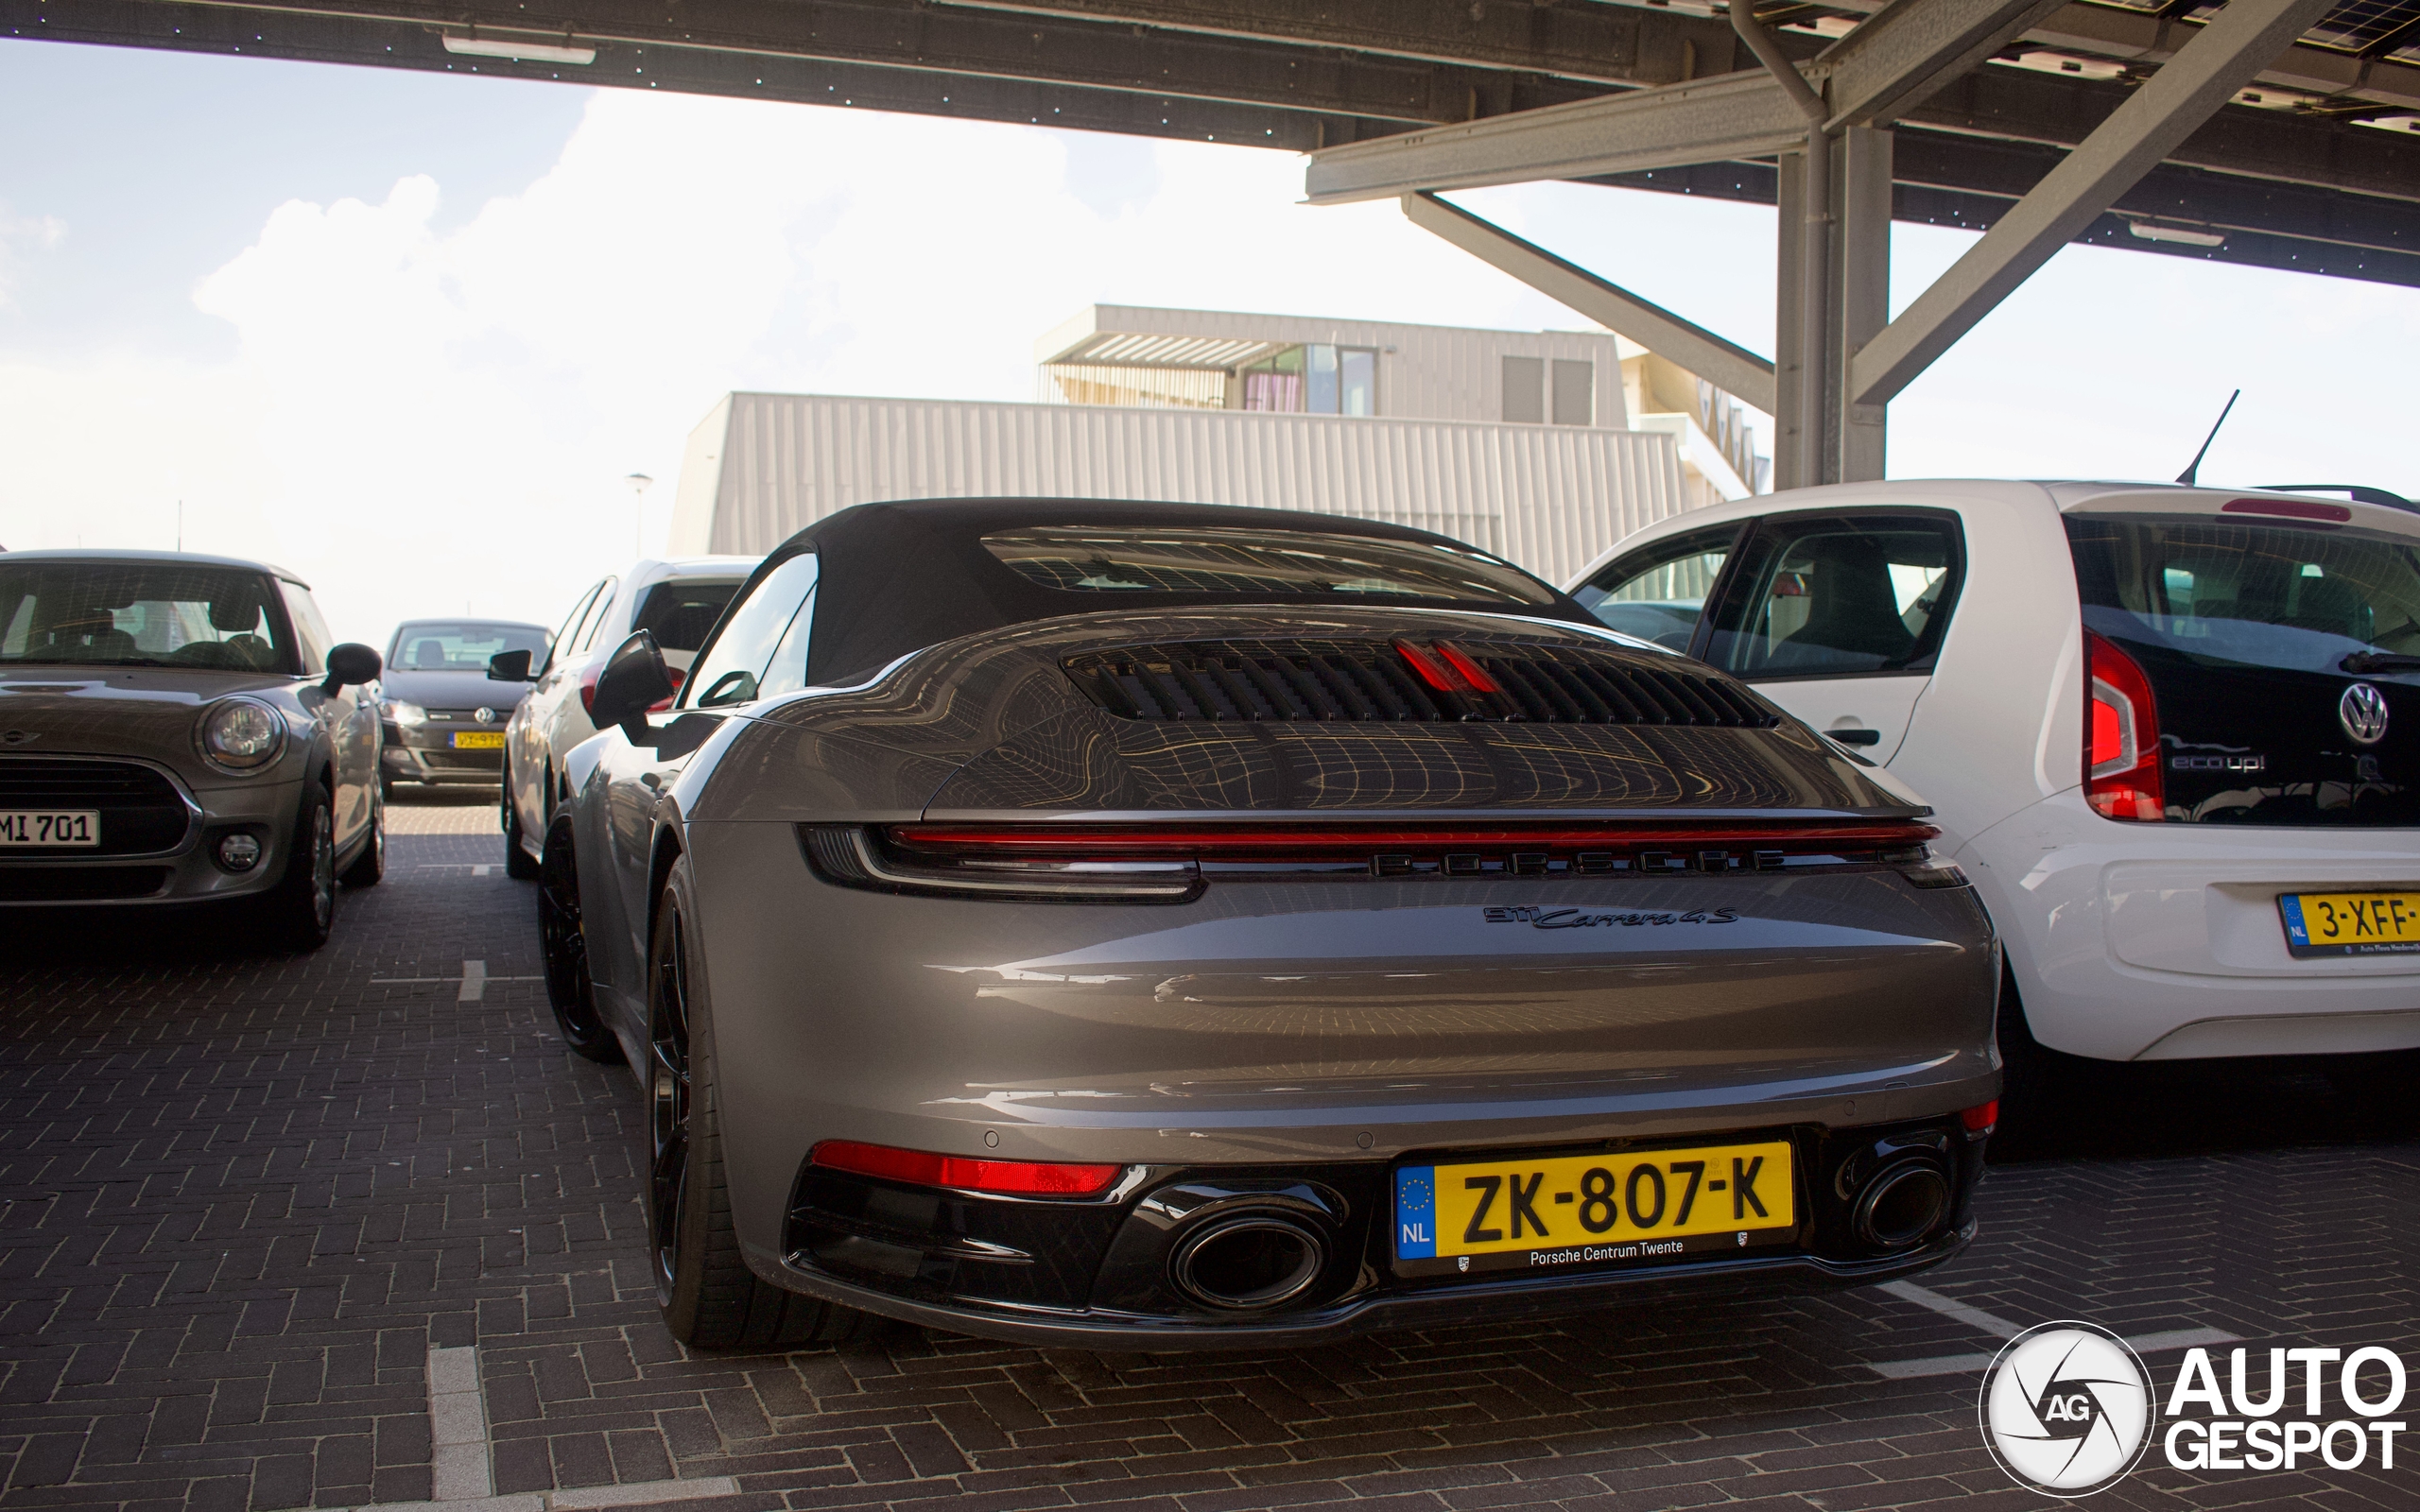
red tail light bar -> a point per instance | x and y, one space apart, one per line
1296 841
1024 1178
596 669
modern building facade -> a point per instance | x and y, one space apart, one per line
1530 444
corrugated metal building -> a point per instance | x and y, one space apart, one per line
1550 497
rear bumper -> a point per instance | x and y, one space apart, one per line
1491 1301
2163 941
438 765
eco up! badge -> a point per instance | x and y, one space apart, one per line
2067 1409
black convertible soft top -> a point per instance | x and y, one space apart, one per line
897 578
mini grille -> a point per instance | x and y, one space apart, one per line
52 781
1401 681
141 812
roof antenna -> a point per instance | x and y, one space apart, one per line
2193 469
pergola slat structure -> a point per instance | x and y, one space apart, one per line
2038 122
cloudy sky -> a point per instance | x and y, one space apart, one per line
408 333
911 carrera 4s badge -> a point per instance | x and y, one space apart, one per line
1584 918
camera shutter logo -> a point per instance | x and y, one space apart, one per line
2067 1409
2362 712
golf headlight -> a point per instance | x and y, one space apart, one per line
404 714
241 734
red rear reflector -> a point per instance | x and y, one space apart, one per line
1472 672
1979 1119
923 1169
2288 509
2108 733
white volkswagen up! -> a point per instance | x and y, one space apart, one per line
2172 734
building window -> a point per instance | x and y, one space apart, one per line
1575 393
1317 378
1525 390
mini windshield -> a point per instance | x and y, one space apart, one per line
2292 597
142 614
1277 564
458 646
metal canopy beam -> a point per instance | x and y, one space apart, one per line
1738 115
1621 134
2203 74
1907 51
1718 362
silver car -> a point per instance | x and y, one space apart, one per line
178 729
1140 926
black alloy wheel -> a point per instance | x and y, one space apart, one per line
711 1300
669 1102
301 911
517 861
564 950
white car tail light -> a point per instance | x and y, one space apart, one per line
2121 736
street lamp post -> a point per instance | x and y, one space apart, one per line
638 482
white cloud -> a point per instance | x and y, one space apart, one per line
20 235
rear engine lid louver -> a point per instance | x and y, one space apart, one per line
1404 679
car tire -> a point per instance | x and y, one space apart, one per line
517 861
301 911
563 950
710 1299
370 867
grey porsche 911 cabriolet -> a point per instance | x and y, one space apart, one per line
1147 926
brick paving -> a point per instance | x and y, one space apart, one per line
246 1195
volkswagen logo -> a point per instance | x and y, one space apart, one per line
2362 710
2067 1409
487 717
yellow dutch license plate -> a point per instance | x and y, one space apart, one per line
1546 1212
2351 924
478 740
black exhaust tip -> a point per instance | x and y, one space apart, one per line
1249 1263
1903 1204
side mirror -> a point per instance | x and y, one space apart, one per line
349 665
508 666
634 677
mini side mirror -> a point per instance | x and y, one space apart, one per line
634 677
349 665
508 666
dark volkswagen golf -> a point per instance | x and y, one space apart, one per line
1136 926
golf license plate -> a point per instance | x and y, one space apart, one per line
2351 924
1545 1213
49 826
478 740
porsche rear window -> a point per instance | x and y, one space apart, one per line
141 614
1260 563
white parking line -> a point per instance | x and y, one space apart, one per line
472 982
1974 1318
463 1478
1998 1327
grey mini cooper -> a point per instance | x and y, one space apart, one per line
1147 926
178 730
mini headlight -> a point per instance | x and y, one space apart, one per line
241 734
404 714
